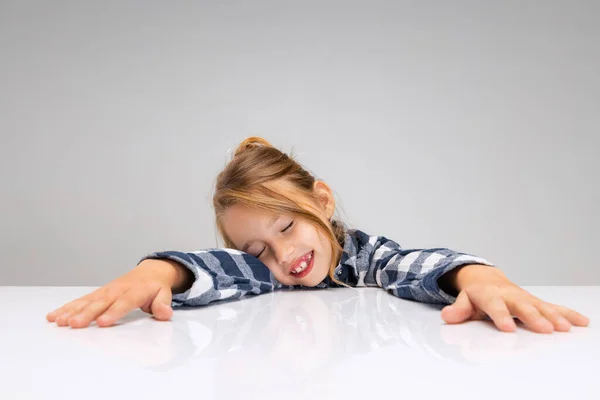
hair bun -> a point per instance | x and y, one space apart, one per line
250 143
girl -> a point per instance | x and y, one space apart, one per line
277 224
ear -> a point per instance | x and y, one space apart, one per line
325 198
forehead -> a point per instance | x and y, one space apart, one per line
238 214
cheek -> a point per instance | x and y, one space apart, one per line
309 236
322 243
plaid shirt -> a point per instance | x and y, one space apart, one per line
366 261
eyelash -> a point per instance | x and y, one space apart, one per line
284 230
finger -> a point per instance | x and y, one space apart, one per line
88 314
74 308
572 316
161 305
65 308
460 311
129 301
51 316
108 293
494 306
68 308
552 314
530 316
147 306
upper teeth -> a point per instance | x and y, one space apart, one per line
303 264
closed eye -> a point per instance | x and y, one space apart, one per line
284 229
288 227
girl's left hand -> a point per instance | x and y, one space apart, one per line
485 291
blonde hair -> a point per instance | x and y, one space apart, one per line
248 179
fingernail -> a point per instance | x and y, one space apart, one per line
509 322
564 322
547 325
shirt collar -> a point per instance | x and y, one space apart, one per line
356 255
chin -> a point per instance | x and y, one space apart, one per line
315 278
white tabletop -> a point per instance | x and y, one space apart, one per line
333 343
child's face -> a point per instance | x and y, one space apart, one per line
281 242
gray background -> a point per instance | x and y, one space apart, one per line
469 125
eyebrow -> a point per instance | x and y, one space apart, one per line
271 223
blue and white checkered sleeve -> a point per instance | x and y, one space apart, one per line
413 273
219 274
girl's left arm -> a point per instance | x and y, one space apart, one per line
472 287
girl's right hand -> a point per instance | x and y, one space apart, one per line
147 286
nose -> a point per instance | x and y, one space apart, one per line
284 253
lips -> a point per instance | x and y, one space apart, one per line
306 258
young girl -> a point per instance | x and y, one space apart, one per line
277 224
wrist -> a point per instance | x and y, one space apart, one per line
184 278
170 273
469 274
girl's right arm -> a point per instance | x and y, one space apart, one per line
219 274
164 280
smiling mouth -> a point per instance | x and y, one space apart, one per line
304 266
